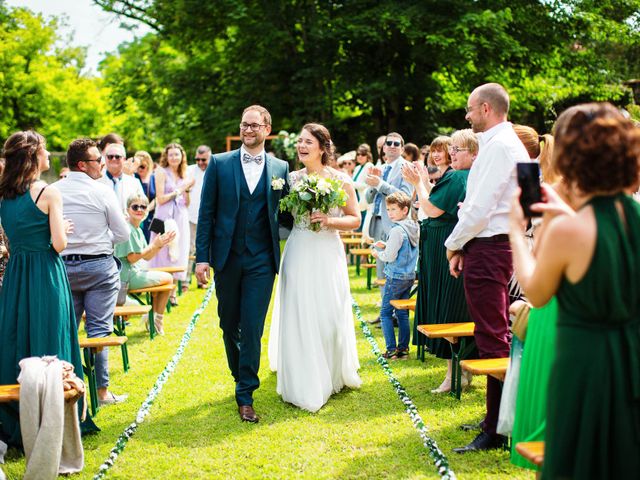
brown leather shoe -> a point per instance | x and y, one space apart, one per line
247 414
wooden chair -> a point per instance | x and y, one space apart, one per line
147 292
11 393
495 367
532 451
91 346
456 334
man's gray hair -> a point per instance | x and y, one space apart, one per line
203 149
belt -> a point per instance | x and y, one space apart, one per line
81 258
502 237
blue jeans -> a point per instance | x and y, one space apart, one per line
395 289
94 286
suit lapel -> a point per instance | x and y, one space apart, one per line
237 172
268 174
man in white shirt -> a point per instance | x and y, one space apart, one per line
93 271
384 181
196 172
124 185
480 241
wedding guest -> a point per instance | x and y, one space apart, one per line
440 296
64 171
380 150
589 260
123 184
147 179
92 270
360 172
411 153
347 163
400 254
36 308
135 249
172 200
479 241
196 172
540 148
439 155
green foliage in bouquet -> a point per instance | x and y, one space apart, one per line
314 193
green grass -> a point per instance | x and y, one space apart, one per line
193 430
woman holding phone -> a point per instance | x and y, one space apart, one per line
590 260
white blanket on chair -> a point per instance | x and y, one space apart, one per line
49 426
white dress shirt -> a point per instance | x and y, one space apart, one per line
98 221
490 187
252 171
124 187
195 172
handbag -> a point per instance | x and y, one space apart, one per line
521 322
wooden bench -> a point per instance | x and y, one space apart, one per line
91 346
496 367
148 291
359 253
456 334
11 393
404 304
171 270
532 451
120 316
369 267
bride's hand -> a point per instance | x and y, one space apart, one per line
321 218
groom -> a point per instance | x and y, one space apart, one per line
237 235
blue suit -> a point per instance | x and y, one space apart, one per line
237 235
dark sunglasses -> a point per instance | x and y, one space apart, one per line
395 143
138 208
201 159
114 157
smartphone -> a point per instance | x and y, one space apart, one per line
157 226
529 182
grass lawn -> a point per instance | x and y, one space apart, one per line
193 430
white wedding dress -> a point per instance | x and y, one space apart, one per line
312 342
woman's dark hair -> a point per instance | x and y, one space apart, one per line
365 149
109 139
323 136
597 149
77 151
21 162
412 152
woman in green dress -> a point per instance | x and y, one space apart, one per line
441 296
590 260
135 249
36 307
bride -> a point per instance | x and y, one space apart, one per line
312 343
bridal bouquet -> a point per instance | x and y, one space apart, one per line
314 193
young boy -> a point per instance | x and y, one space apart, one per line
401 254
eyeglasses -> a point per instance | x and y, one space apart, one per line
254 127
142 167
99 159
469 108
393 143
138 208
457 149
114 157
205 159
361 154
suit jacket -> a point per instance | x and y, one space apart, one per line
219 203
394 183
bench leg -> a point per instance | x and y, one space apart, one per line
89 368
179 288
358 265
119 329
458 355
369 278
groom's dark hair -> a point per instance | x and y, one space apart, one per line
266 116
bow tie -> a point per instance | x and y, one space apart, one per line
246 158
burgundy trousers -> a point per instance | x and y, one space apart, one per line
487 271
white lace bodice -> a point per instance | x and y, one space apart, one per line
303 221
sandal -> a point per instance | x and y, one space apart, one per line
390 354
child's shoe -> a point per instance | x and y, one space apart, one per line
402 353
390 354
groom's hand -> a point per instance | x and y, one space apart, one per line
202 273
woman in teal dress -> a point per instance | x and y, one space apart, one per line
590 260
441 296
135 249
36 307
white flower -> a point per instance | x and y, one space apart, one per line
277 183
323 186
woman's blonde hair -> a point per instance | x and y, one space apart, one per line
164 159
540 147
467 138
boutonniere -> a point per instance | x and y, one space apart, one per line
277 183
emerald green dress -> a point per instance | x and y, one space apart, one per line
36 307
440 297
537 358
593 406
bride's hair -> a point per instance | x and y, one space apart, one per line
324 138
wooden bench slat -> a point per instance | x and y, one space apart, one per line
496 367
160 288
404 304
169 269
448 331
111 341
532 451
131 310
360 251
11 393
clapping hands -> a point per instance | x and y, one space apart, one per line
164 239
